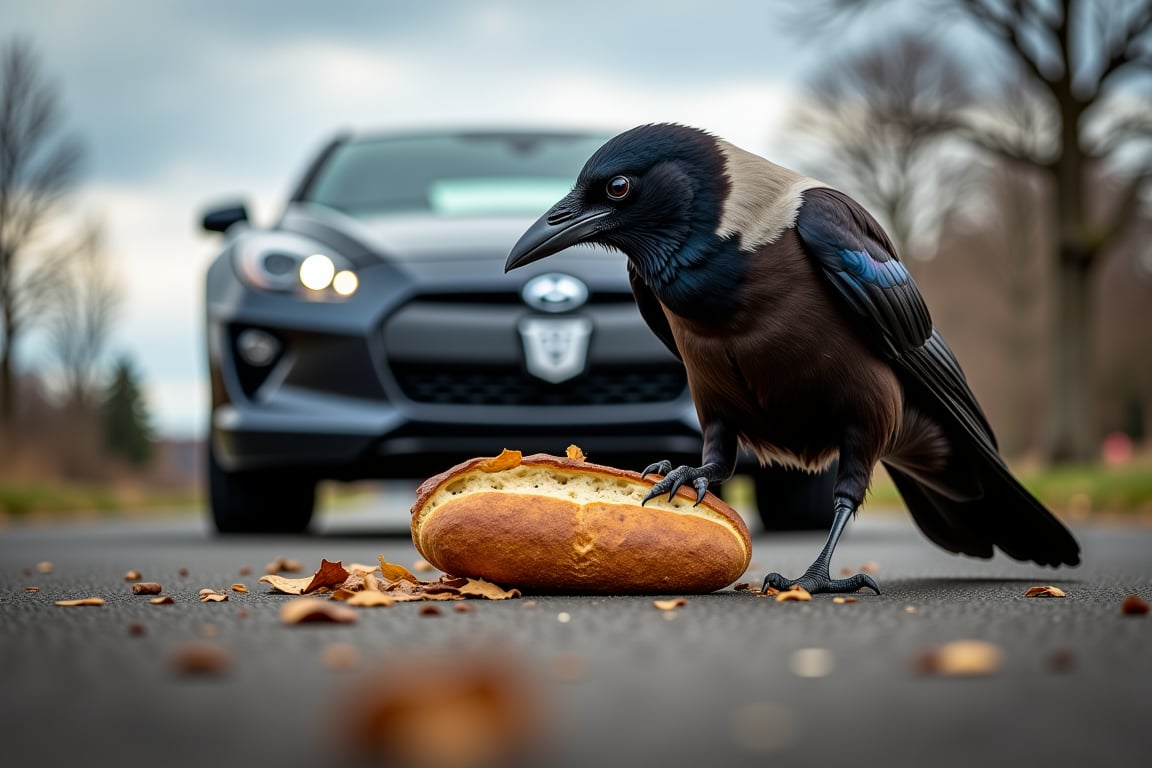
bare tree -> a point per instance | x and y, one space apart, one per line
87 294
37 168
1072 59
878 123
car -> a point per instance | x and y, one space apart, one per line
371 332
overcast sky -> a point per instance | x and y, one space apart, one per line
181 104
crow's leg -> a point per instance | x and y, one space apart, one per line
719 462
852 480
816 578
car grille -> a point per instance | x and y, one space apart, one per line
488 385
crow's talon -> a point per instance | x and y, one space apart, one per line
659 468
819 582
674 478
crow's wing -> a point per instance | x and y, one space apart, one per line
652 311
859 261
861 264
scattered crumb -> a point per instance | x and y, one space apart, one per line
430 610
147 588
80 602
1134 605
136 629
841 600
201 660
910 609
796 594
670 605
45 567
165 600
240 588
961 658
563 617
133 576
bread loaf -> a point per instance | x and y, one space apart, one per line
548 523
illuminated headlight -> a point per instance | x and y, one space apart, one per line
278 261
316 272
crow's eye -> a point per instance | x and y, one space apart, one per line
618 187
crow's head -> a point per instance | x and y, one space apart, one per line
652 192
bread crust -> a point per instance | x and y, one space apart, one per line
550 523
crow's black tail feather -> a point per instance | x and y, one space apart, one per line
1006 516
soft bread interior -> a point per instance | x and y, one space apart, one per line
579 487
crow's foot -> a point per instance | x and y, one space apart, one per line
816 580
699 477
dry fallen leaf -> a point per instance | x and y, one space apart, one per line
670 605
962 658
80 602
796 594
240 588
576 454
361 568
286 585
465 710
212 596
393 572
506 460
146 588
165 600
1048 591
313 609
487 590
201 659
369 599
133 576
1133 605
283 565
327 575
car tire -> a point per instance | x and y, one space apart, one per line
794 500
260 501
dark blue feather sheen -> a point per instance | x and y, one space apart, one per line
861 265
669 232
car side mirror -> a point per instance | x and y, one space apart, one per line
220 219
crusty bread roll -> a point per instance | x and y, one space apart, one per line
547 523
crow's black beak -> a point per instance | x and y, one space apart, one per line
562 226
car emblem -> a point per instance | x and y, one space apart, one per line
554 292
555 348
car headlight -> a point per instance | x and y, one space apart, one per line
279 261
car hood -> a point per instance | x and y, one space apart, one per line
463 247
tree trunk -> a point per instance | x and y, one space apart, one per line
1071 435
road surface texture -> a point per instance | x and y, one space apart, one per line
728 679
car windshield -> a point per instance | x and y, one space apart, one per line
459 174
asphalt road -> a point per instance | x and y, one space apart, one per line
730 680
